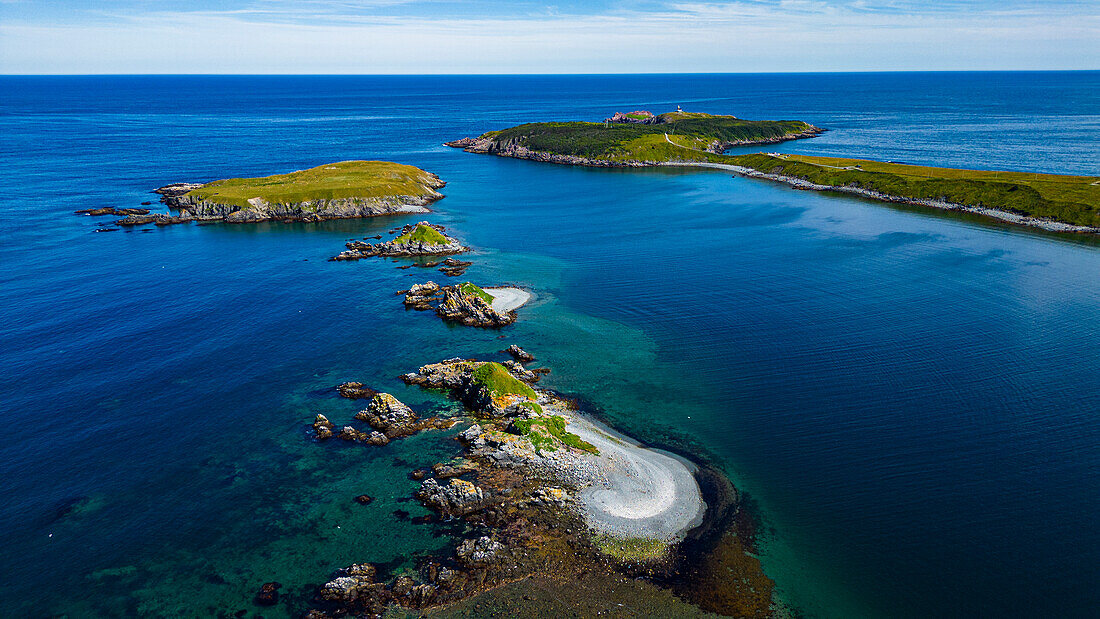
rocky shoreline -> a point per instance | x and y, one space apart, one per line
799 183
520 485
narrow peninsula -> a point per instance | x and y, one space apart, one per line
343 190
1054 202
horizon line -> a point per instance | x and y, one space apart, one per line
546 74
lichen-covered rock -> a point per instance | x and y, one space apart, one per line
481 552
458 498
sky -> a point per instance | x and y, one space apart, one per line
528 36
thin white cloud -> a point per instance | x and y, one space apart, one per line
685 37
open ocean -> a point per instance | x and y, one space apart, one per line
910 398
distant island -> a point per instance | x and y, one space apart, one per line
640 139
342 190
635 139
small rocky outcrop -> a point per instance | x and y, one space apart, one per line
454 268
520 354
160 219
421 296
488 397
355 391
420 239
323 427
110 210
457 498
464 305
390 416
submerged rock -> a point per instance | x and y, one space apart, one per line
269 594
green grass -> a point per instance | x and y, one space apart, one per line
1070 199
423 234
626 141
473 290
500 382
532 406
546 433
346 179
637 116
633 549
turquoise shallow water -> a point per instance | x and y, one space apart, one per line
908 397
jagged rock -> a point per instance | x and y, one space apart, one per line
520 354
480 552
459 497
323 427
418 474
364 499
269 594
459 305
387 414
420 296
355 391
349 433
377 439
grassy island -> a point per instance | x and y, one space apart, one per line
425 234
333 181
671 136
1073 200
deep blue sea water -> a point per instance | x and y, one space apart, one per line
909 398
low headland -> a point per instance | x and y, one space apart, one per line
1059 203
551 494
342 190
